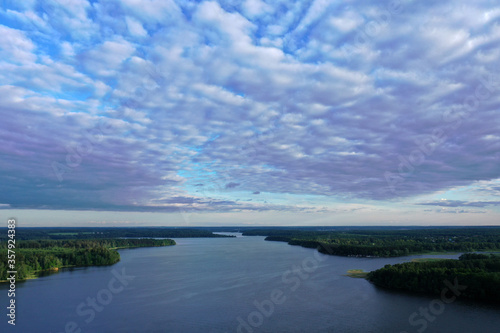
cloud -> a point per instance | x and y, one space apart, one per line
254 8
149 11
350 101
15 46
107 57
135 28
460 203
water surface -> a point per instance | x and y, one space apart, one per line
242 284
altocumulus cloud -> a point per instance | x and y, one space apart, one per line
460 203
133 105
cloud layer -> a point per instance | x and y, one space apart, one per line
164 105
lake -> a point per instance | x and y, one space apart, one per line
242 284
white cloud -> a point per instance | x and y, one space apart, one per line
15 46
254 8
149 11
135 28
107 57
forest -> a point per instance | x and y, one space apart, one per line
473 276
388 243
23 233
40 249
35 256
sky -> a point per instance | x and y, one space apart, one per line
212 113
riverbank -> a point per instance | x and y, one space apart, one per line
36 257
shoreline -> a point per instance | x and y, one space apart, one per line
325 251
37 274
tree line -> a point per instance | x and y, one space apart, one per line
103 232
388 243
34 256
477 274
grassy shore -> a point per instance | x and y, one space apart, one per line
357 273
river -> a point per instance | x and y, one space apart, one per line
242 284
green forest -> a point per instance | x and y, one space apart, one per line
103 232
35 256
473 276
39 249
388 243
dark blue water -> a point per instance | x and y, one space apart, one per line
242 284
